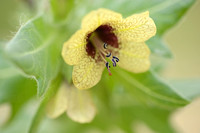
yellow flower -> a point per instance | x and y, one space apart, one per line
77 104
105 35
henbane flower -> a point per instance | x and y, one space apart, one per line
104 36
78 104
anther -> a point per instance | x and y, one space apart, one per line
114 63
117 59
105 45
108 67
107 64
108 55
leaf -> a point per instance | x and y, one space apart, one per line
36 49
188 88
155 118
6 69
150 89
40 113
167 13
159 47
14 88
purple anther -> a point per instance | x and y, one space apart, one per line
117 59
107 65
114 63
105 45
108 55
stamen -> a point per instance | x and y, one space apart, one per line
114 63
98 43
104 51
117 59
105 45
108 55
108 68
107 64
103 58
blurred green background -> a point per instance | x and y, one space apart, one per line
183 40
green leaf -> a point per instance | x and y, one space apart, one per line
149 89
188 88
156 119
6 69
14 88
40 113
159 47
168 12
31 112
36 50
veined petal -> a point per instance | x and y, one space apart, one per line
136 28
134 57
88 73
80 105
74 49
99 17
58 103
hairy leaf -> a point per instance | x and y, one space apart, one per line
14 88
36 50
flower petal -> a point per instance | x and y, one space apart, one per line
80 105
74 49
88 73
134 57
99 17
58 103
136 28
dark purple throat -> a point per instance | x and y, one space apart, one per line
105 33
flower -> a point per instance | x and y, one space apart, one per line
105 35
77 104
